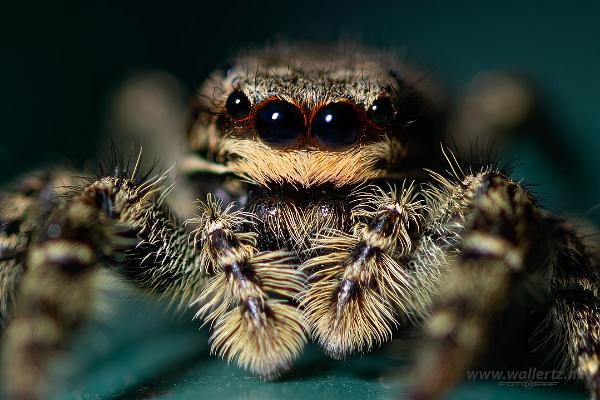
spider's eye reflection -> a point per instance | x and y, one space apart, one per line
237 104
336 125
381 111
279 123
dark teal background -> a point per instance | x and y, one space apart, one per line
60 61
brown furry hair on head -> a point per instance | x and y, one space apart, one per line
308 79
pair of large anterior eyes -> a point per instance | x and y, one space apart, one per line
334 125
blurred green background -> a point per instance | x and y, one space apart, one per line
61 61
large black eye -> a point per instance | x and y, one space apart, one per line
381 111
237 104
336 125
279 123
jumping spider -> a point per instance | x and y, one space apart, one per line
334 222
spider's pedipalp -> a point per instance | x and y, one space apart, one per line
357 286
263 334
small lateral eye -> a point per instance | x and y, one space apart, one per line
237 104
336 125
381 111
279 123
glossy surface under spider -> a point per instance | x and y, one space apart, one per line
325 215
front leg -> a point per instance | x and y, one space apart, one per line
576 310
504 240
19 210
114 221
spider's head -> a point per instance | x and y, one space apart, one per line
313 116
